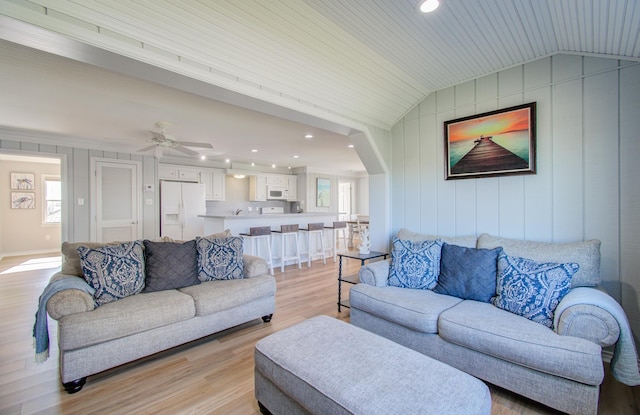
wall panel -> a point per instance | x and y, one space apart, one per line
586 184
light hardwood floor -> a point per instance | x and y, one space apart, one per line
213 375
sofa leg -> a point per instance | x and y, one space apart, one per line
263 409
75 385
267 318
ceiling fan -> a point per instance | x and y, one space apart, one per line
163 141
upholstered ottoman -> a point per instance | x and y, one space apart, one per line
326 366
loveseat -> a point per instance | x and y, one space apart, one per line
460 318
99 327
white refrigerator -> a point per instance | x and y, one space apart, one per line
180 205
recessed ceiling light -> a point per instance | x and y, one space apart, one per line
253 164
227 160
273 166
350 146
427 6
255 150
308 136
203 157
295 156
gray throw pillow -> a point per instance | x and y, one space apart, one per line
468 273
170 265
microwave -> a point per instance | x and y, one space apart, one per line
277 193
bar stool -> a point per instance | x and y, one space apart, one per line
291 232
255 235
316 229
340 226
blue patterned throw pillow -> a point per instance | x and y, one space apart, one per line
415 264
220 258
114 271
532 289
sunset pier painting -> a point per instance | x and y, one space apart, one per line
496 143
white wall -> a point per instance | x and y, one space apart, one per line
22 229
76 181
586 186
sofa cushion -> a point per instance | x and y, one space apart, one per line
468 273
214 296
586 254
219 258
115 271
482 327
170 265
122 318
415 309
415 264
469 240
71 257
532 289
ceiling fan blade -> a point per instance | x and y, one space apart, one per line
158 136
186 151
151 147
194 144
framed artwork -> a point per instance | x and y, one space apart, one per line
23 200
23 181
323 192
495 143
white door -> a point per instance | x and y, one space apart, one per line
193 204
116 200
344 200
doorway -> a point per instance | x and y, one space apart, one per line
32 219
344 200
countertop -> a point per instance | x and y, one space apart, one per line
277 215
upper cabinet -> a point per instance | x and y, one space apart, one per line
213 180
179 173
258 188
293 188
214 184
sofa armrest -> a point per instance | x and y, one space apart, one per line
69 301
375 273
254 266
579 317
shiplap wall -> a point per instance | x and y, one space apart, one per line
76 178
586 186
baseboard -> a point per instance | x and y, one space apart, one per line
27 253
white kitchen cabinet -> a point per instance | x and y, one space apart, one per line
178 173
293 188
258 188
214 182
277 180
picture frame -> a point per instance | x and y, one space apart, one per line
323 192
23 200
495 143
23 181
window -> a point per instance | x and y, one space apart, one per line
52 200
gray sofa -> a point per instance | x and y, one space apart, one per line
560 367
92 339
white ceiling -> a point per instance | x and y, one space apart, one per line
356 64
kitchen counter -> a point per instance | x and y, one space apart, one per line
241 224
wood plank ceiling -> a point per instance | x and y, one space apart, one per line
360 61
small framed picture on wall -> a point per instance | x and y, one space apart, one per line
23 200
23 181
323 192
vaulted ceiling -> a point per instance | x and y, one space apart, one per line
354 63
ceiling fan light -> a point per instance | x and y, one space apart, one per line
427 6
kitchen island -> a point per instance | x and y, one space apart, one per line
238 224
